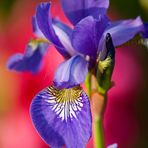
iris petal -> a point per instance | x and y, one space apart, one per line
62 117
44 21
71 72
121 32
87 33
75 10
64 34
31 60
62 26
36 29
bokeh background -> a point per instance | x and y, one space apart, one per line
126 116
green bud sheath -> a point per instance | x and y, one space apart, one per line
105 67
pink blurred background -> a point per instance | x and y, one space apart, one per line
125 119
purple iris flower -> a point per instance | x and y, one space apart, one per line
81 45
35 50
62 116
31 60
61 113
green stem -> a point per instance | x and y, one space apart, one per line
98 125
98 133
88 83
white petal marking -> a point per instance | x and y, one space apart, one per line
66 103
65 40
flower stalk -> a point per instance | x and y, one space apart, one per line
98 102
98 133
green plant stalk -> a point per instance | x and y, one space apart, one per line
104 83
88 83
98 133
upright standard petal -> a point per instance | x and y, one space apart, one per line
44 22
64 33
71 72
75 10
32 59
87 33
62 117
62 26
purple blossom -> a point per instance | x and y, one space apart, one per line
31 60
62 116
86 39
61 113
55 111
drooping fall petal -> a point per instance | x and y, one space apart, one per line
62 117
